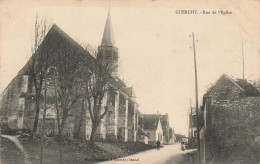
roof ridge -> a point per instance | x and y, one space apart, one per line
229 78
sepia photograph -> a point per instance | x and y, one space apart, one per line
129 81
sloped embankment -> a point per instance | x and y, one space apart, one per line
118 149
74 151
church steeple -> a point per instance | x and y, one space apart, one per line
107 48
108 35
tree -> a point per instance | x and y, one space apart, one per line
256 83
98 86
58 117
67 64
38 65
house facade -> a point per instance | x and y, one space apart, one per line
153 128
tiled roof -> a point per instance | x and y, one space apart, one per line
242 84
250 90
227 77
151 121
164 120
57 34
121 82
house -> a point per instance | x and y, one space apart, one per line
172 137
181 138
193 126
192 131
166 128
153 128
123 120
241 103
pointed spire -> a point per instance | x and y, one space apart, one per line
108 35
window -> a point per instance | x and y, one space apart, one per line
149 135
195 133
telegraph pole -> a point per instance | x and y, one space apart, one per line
243 59
191 130
196 90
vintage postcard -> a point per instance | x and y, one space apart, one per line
129 81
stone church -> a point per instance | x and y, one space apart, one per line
123 122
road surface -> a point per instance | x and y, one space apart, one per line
169 154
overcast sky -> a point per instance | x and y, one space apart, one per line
153 41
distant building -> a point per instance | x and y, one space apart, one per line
193 126
192 131
153 128
166 128
172 137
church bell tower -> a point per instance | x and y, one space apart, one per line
107 48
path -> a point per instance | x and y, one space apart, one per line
19 145
169 154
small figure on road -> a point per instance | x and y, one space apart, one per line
158 145
182 146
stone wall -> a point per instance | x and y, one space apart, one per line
248 107
12 104
248 103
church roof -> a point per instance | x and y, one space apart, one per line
130 92
108 35
250 89
57 35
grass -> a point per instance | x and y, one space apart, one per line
10 151
74 151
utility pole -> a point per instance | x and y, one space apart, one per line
191 130
196 90
243 59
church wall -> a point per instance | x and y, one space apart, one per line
12 104
130 120
18 109
110 122
122 118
